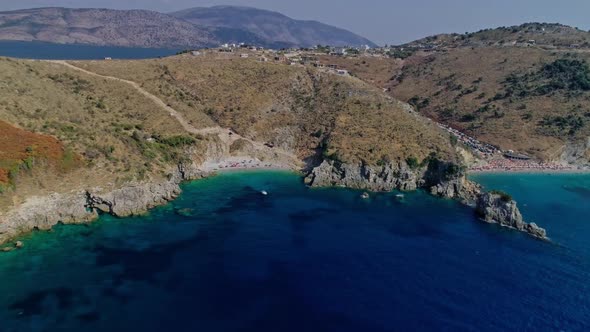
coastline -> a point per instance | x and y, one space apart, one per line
529 171
84 206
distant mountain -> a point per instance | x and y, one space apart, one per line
199 27
138 28
272 26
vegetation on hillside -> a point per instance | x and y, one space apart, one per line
517 98
293 107
112 135
563 75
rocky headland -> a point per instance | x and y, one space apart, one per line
440 179
84 206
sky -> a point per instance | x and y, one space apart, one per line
382 21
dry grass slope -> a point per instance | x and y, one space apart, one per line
467 89
298 108
120 135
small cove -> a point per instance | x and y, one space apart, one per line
223 257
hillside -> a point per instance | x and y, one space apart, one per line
195 28
136 28
65 130
534 99
295 107
547 35
272 26
109 134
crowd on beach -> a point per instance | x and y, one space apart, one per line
487 150
505 164
495 161
235 164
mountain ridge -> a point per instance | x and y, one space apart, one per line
271 25
146 28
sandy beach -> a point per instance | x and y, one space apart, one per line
237 164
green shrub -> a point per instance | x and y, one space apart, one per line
505 197
412 162
333 156
28 163
468 118
453 170
177 141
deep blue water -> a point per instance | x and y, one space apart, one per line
50 51
223 257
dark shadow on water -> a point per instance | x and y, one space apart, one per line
219 300
89 317
300 217
34 303
580 191
250 200
141 265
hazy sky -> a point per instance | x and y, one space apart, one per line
383 21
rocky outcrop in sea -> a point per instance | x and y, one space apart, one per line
439 178
497 208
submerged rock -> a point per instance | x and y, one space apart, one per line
186 212
498 208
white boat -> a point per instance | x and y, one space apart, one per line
399 196
264 192
365 195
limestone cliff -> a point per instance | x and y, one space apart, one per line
576 153
361 176
439 178
85 205
496 208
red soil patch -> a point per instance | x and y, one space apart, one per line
17 144
3 176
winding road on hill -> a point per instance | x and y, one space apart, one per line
226 135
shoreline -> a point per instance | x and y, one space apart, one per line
71 208
529 171
237 163
253 169
172 189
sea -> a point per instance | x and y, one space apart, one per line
51 51
225 257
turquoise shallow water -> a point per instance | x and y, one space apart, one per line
223 257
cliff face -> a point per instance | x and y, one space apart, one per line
439 179
360 176
84 206
493 208
436 179
577 153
